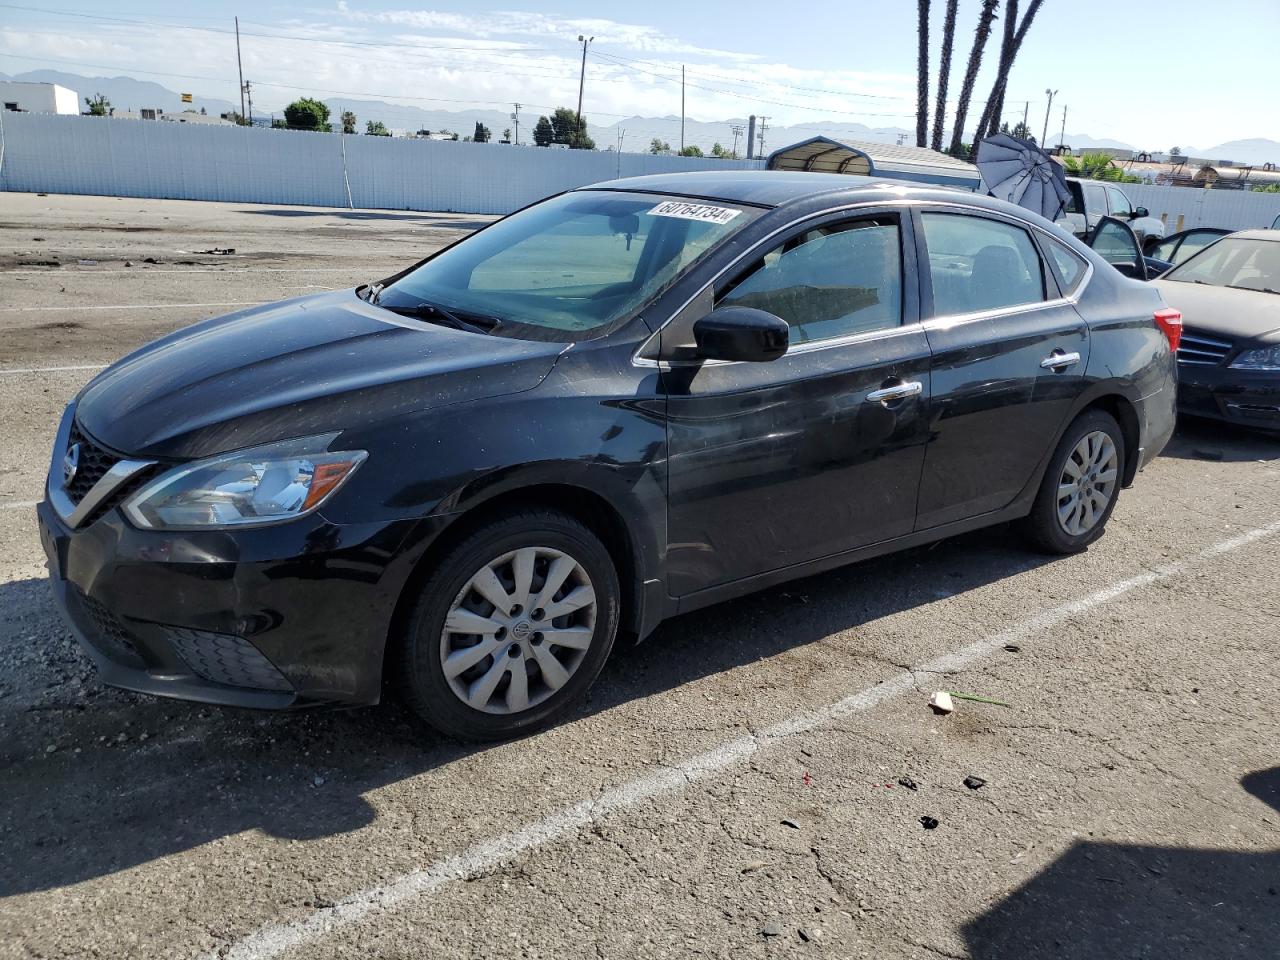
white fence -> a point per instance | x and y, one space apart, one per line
1182 208
44 153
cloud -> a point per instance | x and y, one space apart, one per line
631 36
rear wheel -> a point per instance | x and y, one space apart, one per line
511 628
1080 486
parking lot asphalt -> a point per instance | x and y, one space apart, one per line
732 788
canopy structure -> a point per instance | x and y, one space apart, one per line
886 160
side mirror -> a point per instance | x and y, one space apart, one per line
1140 212
741 333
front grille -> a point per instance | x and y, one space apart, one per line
94 462
1199 349
224 658
111 636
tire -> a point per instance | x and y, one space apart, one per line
452 595
1101 468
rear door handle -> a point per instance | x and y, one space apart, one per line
1059 360
899 391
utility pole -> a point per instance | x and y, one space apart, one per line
515 117
1062 137
240 69
1026 109
621 135
763 127
247 90
582 78
682 108
737 132
1050 94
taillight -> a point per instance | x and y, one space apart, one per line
1169 321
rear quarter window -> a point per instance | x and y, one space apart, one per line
1068 266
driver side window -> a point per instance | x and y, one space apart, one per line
832 281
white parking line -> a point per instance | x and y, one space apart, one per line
137 306
19 505
272 940
86 366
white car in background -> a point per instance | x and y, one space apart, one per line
1091 200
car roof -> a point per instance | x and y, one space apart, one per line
1257 235
774 188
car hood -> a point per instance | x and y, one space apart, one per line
301 367
1238 314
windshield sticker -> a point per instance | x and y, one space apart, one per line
694 211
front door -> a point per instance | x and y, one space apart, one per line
1009 354
778 463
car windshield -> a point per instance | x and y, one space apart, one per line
566 269
1234 262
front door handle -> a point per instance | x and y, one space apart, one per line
1059 360
899 391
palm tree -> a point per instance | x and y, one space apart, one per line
944 72
995 103
922 71
971 71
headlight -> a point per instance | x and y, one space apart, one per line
278 481
1266 358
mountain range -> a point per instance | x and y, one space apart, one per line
633 133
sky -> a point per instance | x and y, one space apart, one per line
1151 74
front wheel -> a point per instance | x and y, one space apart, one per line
511 628
1080 486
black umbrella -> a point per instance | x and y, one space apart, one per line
1022 173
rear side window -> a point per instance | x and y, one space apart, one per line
1119 202
1067 266
832 281
978 264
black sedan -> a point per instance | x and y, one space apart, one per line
617 405
1229 358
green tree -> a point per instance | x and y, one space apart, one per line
99 105
1175 151
657 145
1096 166
922 72
376 128
506 135
944 73
482 134
1008 53
692 151
568 128
543 133
718 151
1019 130
348 122
980 34
307 114
278 124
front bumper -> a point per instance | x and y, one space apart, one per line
1249 398
288 615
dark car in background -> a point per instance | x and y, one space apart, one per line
1229 358
617 405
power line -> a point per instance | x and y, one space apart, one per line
283 86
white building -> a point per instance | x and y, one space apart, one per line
38 97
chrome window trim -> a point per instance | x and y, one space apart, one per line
932 323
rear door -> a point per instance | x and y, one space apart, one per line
818 452
1009 354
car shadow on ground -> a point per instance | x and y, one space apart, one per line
1101 900
98 781
426 219
1211 440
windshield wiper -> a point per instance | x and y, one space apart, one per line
369 292
434 313
1236 286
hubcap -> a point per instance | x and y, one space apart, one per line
1088 483
518 630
